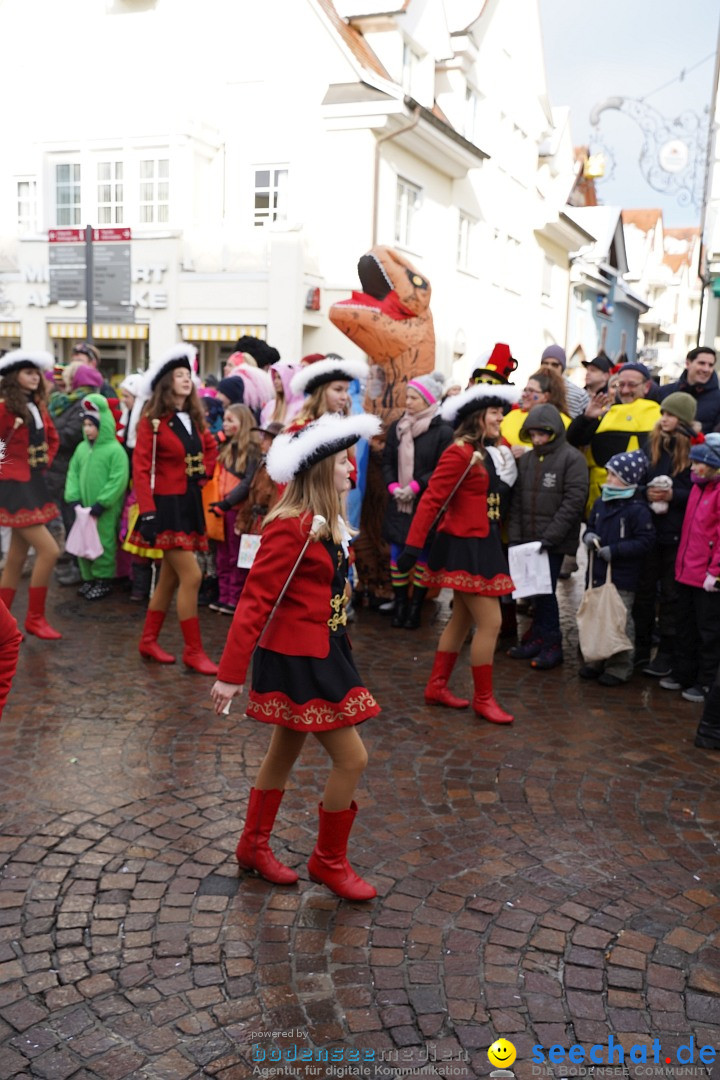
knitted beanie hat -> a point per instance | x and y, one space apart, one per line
555 352
707 452
630 466
429 386
684 406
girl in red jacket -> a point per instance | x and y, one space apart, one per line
291 614
31 443
174 455
463 500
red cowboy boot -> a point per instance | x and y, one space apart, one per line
35 621
148 646
193 654
328 863
484 703
253 851
436 691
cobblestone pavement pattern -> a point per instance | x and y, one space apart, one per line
551 882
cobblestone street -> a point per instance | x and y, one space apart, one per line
553 882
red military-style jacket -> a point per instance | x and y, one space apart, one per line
300 625
171 475
467 512
16 464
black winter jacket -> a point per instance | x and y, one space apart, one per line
428 448
707 396
626 527
549 495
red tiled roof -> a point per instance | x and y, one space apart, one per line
675 261
644 220
354 40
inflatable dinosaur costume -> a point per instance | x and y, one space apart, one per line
391 321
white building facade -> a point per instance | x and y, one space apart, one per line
256 164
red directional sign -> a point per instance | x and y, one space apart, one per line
77 236
107 235
66 236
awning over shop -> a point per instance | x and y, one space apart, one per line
9 329
193 332
101 331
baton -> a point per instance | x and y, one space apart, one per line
155 426
475 458
317 523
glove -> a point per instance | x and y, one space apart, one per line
407 559
544 546
74 505
589 538
605 554
97 509
219 508
710 583
147 527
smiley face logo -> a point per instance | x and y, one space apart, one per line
502 1053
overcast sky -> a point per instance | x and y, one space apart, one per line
628 48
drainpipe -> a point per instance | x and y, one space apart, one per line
705 279
376 179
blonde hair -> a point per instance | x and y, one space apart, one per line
315 404
244 444
68 374
313 491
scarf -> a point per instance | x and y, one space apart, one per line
410 428
609 494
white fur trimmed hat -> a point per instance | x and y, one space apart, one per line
477 397
182 355
330 369
292 453
21 358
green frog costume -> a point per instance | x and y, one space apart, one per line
98 477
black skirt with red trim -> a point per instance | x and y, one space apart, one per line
180 522
26 502
310 694
469 564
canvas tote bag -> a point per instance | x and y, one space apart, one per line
601 619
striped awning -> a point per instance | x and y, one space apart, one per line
101 331
195 332
9 329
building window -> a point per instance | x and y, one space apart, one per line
27 219
466 242
547 278
407 207
110 193
155 191
411 65
271 194
67 194
472 103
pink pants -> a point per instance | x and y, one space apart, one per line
231 578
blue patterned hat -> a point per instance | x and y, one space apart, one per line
630 466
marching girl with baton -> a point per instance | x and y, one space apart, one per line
462 501
25 504
174 454
291 614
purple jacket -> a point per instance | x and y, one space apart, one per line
699 551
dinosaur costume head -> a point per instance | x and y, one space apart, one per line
390 320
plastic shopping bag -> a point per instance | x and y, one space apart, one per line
83 539
529 570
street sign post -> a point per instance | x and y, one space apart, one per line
92 265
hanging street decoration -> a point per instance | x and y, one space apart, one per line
673 157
